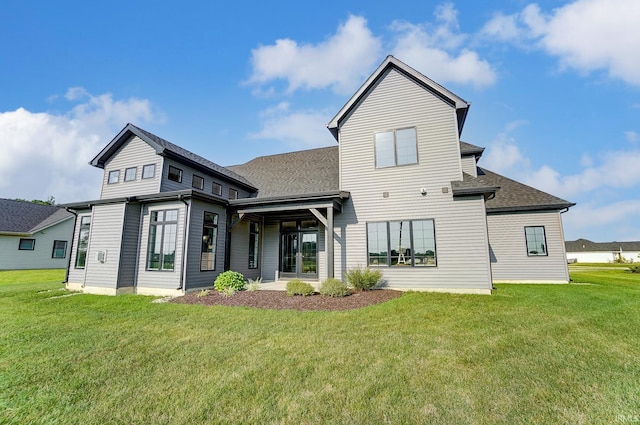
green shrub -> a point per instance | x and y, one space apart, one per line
229 279
298 287
334 288
253 285
363 278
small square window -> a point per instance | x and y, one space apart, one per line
197 182
216 188
27 244
114 176
233 194
59 249
175 174
149 171
130 174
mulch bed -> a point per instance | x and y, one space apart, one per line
279 300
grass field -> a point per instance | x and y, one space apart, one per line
529 354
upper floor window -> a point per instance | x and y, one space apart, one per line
27 244
233 194
114 176
130 174
216 188
397 147
536 240
197 182
175 174
59 249
149 171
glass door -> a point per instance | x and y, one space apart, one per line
299 249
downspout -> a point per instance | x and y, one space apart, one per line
185 241
73 235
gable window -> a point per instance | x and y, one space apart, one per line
401 243
254 240
59 249
161 254
149 171
83 242
27 244
536 241
197 182
397 147
233 194
216 188
175 174
114 177
130 174
209 239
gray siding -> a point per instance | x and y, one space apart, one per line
469 165
133 153
77 275
187 177
240 250
461 232
155 278
509 259
129 251
270 250
105 236
194 277
11 258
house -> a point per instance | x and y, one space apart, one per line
585 251
400 192
34 236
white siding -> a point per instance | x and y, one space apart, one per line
394 193
11 258
105 236
509 259
133 153
469 165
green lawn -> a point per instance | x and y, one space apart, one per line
529 354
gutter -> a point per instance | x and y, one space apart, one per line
185 241
73 236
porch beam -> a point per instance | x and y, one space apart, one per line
234 223
319 216
329 227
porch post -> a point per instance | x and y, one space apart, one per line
329 242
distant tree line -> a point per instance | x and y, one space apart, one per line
50 201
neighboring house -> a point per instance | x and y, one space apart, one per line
34 236
400 192
585 251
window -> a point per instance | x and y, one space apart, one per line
396 147
114 176
233 194
175 174
254 240
27 244
161 254
536 241
401 243
197 182
149 171
130 174
209 239
83 242
59 249
216 188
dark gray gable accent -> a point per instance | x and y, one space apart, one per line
175 195
467 149
26 217
472 186
170 150
461 105
515 196
585 245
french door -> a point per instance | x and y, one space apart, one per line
299 249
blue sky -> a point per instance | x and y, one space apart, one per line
554 86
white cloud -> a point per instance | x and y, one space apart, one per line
604 223
632 136
297 129
436 50
47 154
586 35
339 63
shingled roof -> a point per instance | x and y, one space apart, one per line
293 173
515 196
166 148
22 217
585 245
469 149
